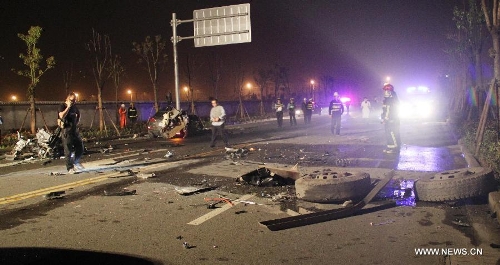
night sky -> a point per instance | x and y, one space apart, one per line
356 42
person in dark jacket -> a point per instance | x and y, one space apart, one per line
336 109
132 113
390 119
291 112
279 107
69 117
309 110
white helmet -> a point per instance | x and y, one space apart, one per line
336 94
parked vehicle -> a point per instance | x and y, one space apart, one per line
171 123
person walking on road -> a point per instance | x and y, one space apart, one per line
365 108
309 110
336 109
123 116
68 119
278 106
390 119
304 109
291 112
132 113
217 117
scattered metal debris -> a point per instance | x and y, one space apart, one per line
169 154
186 245
124 192
55 195
233 153
192 190
460 223
213 205
269 177
312 218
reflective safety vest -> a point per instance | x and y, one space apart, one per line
309 106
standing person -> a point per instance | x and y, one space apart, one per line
304 110
278 106
132 113
336 109
390 119
365 108
291 112
69 117
123 116
309 110
217 117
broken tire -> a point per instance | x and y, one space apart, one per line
455 184
333 186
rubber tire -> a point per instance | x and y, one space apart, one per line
455 184
336 186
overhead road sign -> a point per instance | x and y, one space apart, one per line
222 25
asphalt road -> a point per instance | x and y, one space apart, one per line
159 226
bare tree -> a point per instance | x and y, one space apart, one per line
470 21
239 76
192 66
99 48
281 80
68 78
117 71
215 69
152 56
261 78
32 59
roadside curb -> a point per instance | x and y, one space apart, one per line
493 197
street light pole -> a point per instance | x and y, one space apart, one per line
130 93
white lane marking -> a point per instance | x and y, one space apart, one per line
218 211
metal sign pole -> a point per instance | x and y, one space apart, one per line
176 64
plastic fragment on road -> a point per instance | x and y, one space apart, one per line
146 176
169 154
382 223
124 192
265 176
55 195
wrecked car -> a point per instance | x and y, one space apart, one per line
171 122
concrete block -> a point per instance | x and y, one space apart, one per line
494 202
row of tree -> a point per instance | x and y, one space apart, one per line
105 65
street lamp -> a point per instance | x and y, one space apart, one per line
130 93
312 87
186 89
388 79
76 96
14 98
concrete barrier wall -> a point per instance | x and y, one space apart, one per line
15 113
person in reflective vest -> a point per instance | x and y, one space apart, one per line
309 110
390 119
278 106
291 112
336 109
132 113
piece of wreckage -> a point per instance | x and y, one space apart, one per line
44 145
233 153
174 121
268 176
323 216
333 185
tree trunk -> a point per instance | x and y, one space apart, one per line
99 106
155 91
33 114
